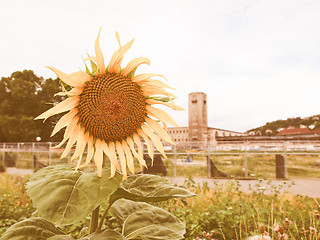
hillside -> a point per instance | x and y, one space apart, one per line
313 121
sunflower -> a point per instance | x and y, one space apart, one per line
110 110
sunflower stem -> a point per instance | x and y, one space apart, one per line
103 217
94 220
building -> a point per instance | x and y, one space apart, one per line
198 134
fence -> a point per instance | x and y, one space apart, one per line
232 159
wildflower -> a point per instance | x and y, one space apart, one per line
259 237
109 109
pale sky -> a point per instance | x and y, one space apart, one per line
258 61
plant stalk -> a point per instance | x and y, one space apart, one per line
94 220
103 217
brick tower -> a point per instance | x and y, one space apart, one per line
198 119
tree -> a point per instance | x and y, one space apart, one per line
23 96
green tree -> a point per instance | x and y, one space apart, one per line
23 96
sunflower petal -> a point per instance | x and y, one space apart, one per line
71 141
98 156
134 64
114 154
128 156
154 139
90 150
170 105
99 56
151 90
131 145
158 129
118 39
156 83
161 115
68 79
80 146
116 59
112 171
70 128
64 121
63 106
148 143
142 77
80 77
136 139
110 155
122 159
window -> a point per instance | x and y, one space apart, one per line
194 101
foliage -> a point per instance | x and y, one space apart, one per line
63 197
290 122
23 96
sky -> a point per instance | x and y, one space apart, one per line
257 60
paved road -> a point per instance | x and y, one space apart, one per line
306 187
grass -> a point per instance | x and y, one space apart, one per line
221 212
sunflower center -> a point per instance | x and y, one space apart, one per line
111 107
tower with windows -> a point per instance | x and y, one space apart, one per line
198 119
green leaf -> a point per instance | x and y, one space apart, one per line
105 235
64 197
146 221
33 229
148 188
61 237
131 74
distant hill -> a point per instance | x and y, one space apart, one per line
272 128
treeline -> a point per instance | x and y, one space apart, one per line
312 122
23 96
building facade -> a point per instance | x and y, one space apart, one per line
198 134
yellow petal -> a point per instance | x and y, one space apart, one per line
168 104
78 164
157 127
69 130
110 155
128 156
73 138
114 154
148 143
80 146
161 115
122 159
150 90
98 156
63 106
116 59
142 77
131 145
154 139
118 39
80 77
68 79
156 83
64 121
133 64
137 141
90 150
112 171
74 92
99 56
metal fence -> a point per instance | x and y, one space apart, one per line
232 159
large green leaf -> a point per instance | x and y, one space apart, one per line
105 235
146 221
100 235
148 188
64 197
31 229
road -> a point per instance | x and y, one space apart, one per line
305 187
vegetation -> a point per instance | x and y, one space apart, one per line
290 122
222 212
23 96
